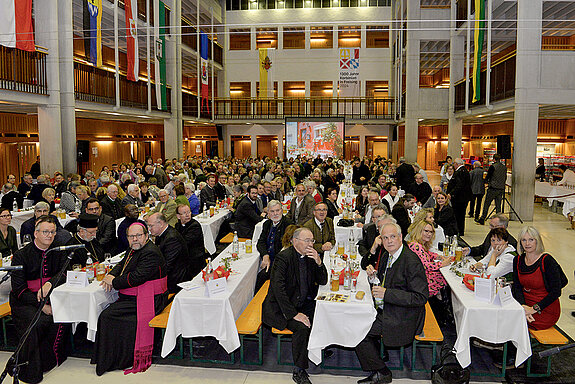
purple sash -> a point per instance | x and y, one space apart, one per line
35 285
145 309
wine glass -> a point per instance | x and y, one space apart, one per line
27 239
107 257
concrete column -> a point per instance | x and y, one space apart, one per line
254 145
67 98
49 118
361 146
456 73
280 37
280 146
173 127
171 139
390 129
253 38
227 141
307 38
363 36
412 81
526 119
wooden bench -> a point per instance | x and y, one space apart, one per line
550 336
249 324
161 322
280 334
5 315
229 238
431 336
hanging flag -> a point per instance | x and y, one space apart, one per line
93 31
204 41
478 47
131 8
348 72
160 54
266 65
16 28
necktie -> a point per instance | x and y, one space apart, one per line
321 226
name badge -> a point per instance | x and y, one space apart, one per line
216 286
76 279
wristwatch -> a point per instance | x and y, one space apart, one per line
536 308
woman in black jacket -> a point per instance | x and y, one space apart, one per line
444 216
331 202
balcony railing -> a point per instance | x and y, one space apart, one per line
23 71
502 85
266 109
190 106
97 85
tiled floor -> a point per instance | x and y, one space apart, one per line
558 242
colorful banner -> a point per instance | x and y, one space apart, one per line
160 54
16 27
131 8
349 85
478 47
266 65
204 41
93 31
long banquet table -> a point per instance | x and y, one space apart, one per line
193 314
211 227
486 321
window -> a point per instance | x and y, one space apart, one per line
266 38
349 36
321 37
377 37
294 37
240 40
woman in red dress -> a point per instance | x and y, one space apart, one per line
537 280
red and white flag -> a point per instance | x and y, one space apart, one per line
16 29
131 8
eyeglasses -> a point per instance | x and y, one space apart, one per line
321 210
309 241
136 236
5 216
48 233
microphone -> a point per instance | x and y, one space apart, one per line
554 350
12 268
68 247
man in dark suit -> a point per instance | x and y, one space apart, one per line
322 228
400 299
207 194
36 192
220 187
301 209
296 274
270 241
248 213
459 193
193 235
173 247
401 214
106 226
361 173
371 230
420 189
9 196
111 205
28 227
479 251
158 173
26 185
404 174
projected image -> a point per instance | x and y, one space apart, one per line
312 138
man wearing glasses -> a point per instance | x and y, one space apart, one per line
29 226
296 274
322 228
124 339
400 291
45 347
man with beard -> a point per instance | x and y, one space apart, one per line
124 338
86 234
45 347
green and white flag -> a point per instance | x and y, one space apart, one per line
160 54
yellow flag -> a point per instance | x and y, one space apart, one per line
265 65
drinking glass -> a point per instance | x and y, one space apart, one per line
27 239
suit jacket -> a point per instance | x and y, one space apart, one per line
36 192
280 304
194 238
220 191
8 200
207 197
400 214
131 200
405 175
369 233
405 297
420 191
112 208
331 209
262 245
305 212
246 218
169 210
459 186
160 175
320 237
107 233
175 251
446 218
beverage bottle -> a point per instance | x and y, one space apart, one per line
77 206
15 206
351 242
209 270
89 267
347 275
236 243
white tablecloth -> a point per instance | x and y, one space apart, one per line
349 196
344 324
18 218
342 233
75 305
488 322
211 227
194 315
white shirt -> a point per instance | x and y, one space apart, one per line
391 200
319 224
395 256
504 263
568 178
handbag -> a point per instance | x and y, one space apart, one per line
345 223
448 371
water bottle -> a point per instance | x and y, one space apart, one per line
347 275
14 206
351 243
236 243
77 206
90 267
209 270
